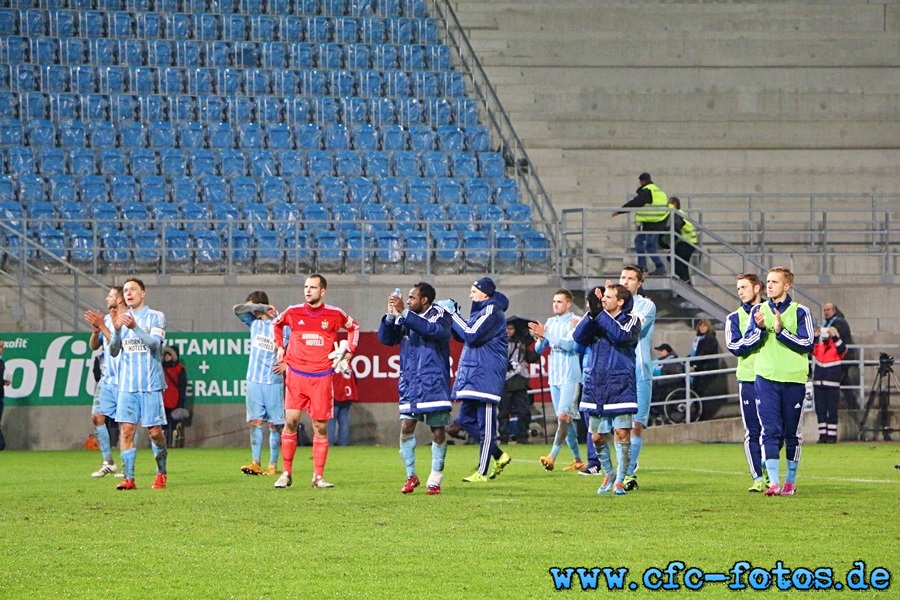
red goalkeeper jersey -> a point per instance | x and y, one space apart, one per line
313 334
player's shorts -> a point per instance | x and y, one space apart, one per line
265 402
145 408
440 418
606 425
105 400
644 391
563 398
315 395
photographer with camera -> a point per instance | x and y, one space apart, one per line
828 351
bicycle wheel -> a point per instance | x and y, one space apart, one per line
678 403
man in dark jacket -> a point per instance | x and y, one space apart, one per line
482 373
652 220
422 329
849 371
610 387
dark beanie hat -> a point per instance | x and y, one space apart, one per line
644 177
486 285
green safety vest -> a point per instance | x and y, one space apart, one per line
659 199
775 361
745 364
688 233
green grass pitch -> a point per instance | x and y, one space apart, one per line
215 533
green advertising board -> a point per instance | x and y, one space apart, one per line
55 369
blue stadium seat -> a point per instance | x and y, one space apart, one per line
337 137
132 52
20 160
412 8
211 108
303 190
376 217
256 216
300 56
268 252
345 217
31 189
438 111
404 217
72 51
102 52
62 189
491 165
360 190
377 164
177 250
143 163
172 163
202 162
536 257
182 109
388 252
324 110
209 251
213 189
477 191
82 162
320 163
196 216
263 27
396 84
56 250
161 135
421 137
84 79
261 163
450 138
316 29
449 191
64 107
391 190
519 217
359 251
316 217
207 26
200 81
364 137
284 215
313 82
115 250
224 216
243 190
465 112
272 190
399 30
348 163
55 78
7 188
216 54
165 216
411 57
184 190
154 190
269 109
11 214
435 164
291 163
308 136
437 58
405 164
122 189
329 251
382 111
11 132
424 84
506 253
94 107
238 249
415 254
435 215
506 192
41 215
278 137
63 23
409 111
82 248
34 105
51 161
345 30
147 248
232 163
112 161
329 57
102 135
124 107
462 217
172 81
356 56
220 136
332 190
290 28
41 133
464 164
489 216
477 246
190 135
394 137
371 30
354 110
251 136
234 27
420 190
299 256
142 80
368 84
134 216
189 53
447 252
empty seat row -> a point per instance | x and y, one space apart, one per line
95 24
104 52
284 83
435 112
153 189
388 8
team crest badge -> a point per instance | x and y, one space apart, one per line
324 323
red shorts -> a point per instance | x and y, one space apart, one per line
315 395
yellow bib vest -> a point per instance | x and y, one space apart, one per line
688 233
659 200
775 361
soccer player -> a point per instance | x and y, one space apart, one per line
422 329
782 331
314 328
138 341
265 381
108 387
748 290
645 310
482 373
564 375
609 395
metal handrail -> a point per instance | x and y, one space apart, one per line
512 146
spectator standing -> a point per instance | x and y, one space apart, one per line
176 388
651 220
515 401
849 371
345 394
705 344
828 351
685 241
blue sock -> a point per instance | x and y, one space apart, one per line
636 444
274 446
623 456
554 450
605 457
591 450
256 442
773 469
408 453
103 441
791 476
128 457
572 441
161 453
438 454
